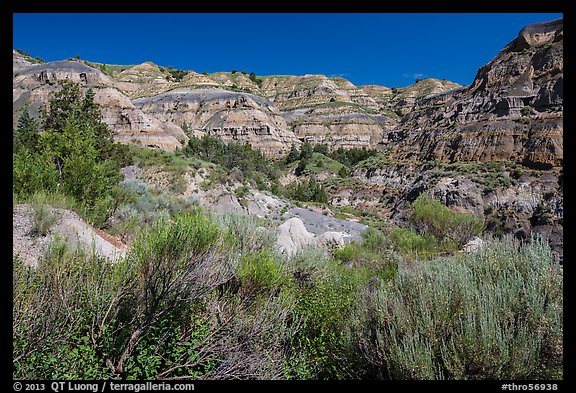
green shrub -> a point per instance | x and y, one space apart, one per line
343 172
493 315
452 229
176 241
373 239
59 308
170 309
261 271
413 245
178 185
44 219
241 191
33 172
244 233
319 348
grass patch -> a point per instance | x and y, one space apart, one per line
44 219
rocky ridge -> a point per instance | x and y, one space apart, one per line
512 111
33 84
143 104
493 148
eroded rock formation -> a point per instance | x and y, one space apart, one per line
229 115
512 111
33 85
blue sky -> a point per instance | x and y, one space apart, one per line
380 48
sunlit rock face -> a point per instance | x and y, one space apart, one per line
32 86
512 111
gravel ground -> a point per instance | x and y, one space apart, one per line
24 243
69 226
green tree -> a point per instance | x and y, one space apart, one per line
62 105
75 153
26 134
306 151
299 170
308 191
321 148
293 155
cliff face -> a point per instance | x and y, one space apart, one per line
315 108
32 86
512 111
326 110
230 115
497 144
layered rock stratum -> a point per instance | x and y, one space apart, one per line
33 84
512 111
493 148
241 117
146 104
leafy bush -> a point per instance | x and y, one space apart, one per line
318 349
244 233
343 172
56 313
33 172
493 315
450 228
136 205
374 240
261 271
371 258
307 191
75 154
242 191
413 245
434 229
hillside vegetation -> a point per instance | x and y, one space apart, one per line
206 295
